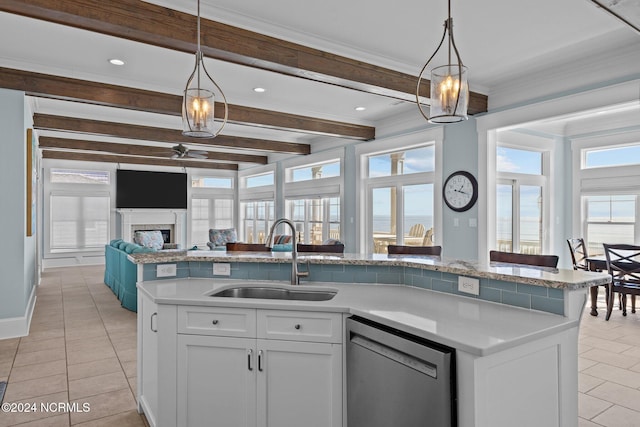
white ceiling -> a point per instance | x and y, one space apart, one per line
504 43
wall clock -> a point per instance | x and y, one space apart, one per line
460 191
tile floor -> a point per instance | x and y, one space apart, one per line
82 348
609 369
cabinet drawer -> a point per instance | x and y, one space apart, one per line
229 322
300 326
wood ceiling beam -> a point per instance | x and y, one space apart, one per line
176 30
140 150
68 89
112 158
148 133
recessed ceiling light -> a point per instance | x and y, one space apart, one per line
259 89
360 108
116 61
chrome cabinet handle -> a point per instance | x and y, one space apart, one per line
297 326
215 321
249 359
260 360
151 323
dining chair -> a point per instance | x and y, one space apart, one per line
428 238
247 247
623 264
525 259
578 251
334 249
414 250
579 255
417 230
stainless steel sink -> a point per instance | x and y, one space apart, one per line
263 292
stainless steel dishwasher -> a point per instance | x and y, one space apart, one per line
395 379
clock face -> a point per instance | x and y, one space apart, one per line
460 191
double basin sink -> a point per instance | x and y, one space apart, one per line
267 292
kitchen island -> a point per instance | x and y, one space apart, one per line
514 365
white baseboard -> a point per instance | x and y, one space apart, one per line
72 261
16 327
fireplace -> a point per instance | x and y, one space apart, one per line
171 222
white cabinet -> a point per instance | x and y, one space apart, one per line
242 377
216 381
148 357
299 384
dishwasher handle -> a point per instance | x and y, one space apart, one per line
395 355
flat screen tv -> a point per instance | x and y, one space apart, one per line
151 190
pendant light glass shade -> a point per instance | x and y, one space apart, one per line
449 95
198 103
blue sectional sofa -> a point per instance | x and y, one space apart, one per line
120 274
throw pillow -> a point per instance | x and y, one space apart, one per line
282 248
222 236
282 239
151 239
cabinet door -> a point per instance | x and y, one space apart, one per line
216 381
299 384
148 357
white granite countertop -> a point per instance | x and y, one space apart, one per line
537 276
474 326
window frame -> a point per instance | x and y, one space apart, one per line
51 189
364 184
321 188
524 142
603 180
212 194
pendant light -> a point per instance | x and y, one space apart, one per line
449 87
198 103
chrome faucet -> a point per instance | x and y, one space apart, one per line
295 274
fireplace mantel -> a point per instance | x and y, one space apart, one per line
132 219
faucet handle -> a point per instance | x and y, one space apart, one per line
304 273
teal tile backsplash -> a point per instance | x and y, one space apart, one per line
516 294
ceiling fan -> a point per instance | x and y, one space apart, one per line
180 151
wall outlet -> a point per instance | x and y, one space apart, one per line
221 269
468 285
166 270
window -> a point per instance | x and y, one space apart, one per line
312 194
209 213
257 219
401 194
211 182
520 200
316 219
74 176
519 161
615 156
520 219
260 180
319 171
78 223
411 161
609 219
257 204
607 172
212 206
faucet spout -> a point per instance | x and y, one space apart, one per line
295 274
